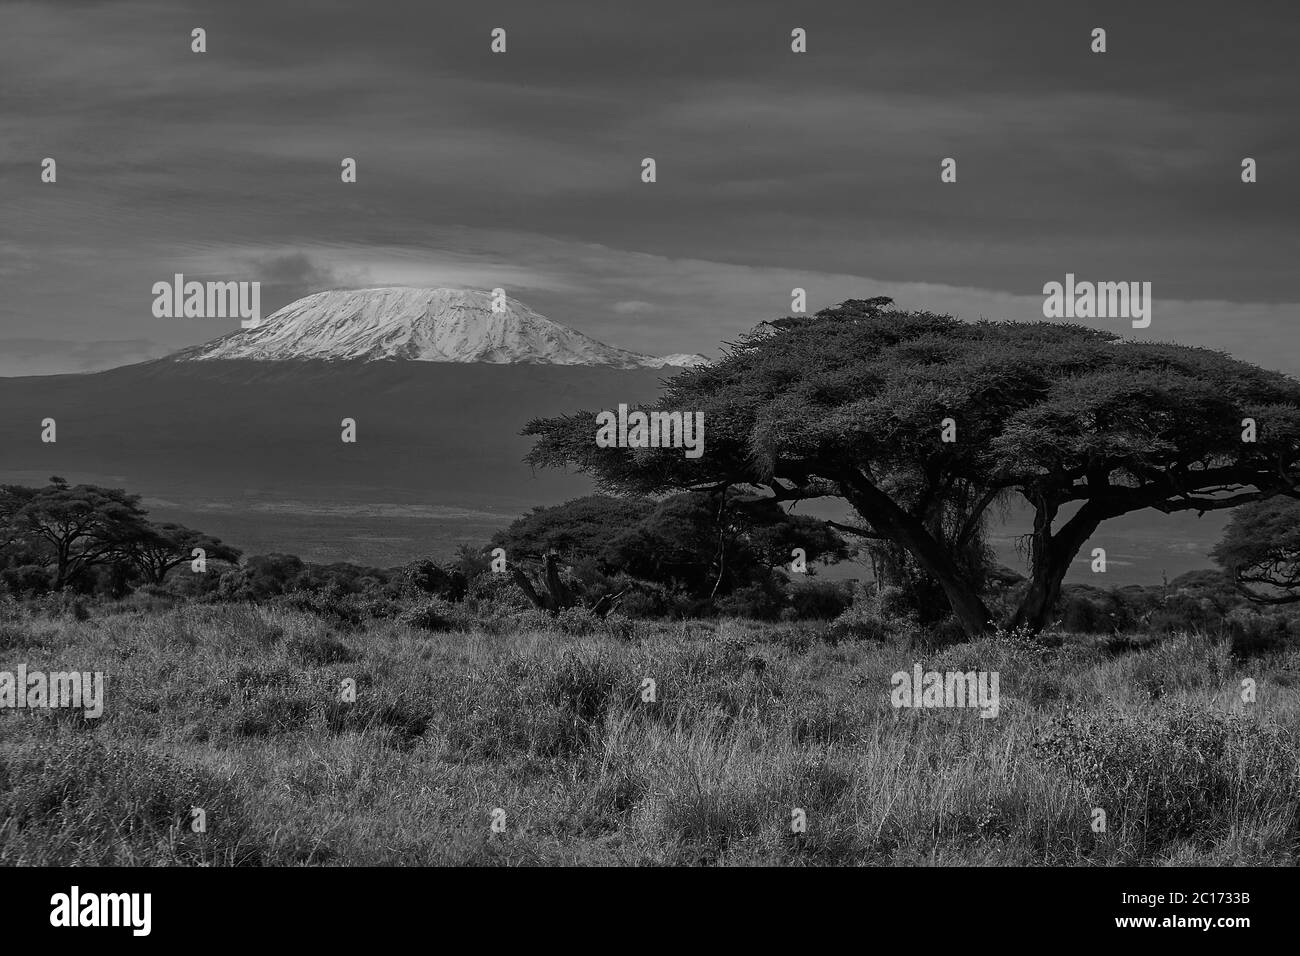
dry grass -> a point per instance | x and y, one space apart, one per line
237 709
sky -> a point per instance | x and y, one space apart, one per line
775 170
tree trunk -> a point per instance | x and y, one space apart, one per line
526 586
1050 560
63 563
889 519
558 596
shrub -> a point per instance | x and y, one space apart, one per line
761 600
877 614
26 579
61 604
433 614
493 593
1084 609
619 626
341 607
1184 612
578 621
1257 632
426 577
641 599
820 600
1080 614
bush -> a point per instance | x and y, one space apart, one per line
493 593
578 621
641 599
1184 612
619 626
426 577
340 607
61 604
761 600
1257 632
877 614
644 600
1084 609
820 600
26 579
433 614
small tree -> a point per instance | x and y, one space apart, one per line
1261 551
83 525
159 548
576 529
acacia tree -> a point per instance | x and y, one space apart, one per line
82 525
856 403
12 498
1261 551
577 529
156 549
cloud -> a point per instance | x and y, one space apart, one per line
34 356
287 276
521 171
634 307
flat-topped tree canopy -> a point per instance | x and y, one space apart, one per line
856 401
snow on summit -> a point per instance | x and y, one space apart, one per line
419 325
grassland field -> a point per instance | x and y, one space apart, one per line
237 709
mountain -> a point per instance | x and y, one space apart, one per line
241 436
419 325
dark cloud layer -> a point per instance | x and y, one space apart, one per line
772 166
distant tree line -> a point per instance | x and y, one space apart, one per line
88 538
689 554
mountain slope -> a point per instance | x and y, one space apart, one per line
252 452
419 325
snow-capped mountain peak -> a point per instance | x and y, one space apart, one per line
420 325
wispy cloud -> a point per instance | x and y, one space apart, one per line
27 356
